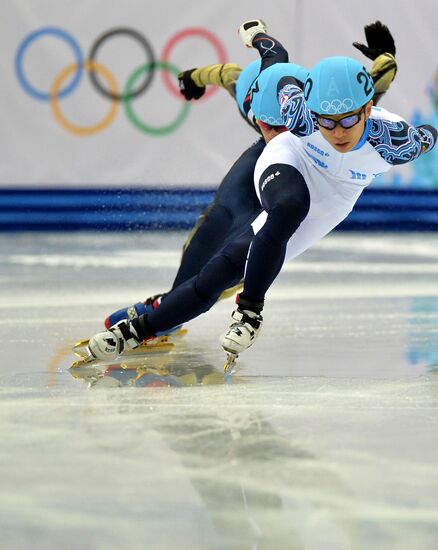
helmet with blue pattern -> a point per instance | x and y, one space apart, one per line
243 84
264 92
338 85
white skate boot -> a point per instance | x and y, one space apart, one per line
113 342
242 332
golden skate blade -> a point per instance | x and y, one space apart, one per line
180 333
81 348
230 362
231 291
157 345
84 360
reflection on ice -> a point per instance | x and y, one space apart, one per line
154 370
325 437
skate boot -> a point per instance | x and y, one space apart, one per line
141 308
132 312
114 342
244 328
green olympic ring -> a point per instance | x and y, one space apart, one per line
57 92
147 129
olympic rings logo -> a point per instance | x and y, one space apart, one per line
110 91
337 106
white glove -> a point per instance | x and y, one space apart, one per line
248 29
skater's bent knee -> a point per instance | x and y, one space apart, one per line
218 275
284 219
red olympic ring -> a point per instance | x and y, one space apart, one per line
191 31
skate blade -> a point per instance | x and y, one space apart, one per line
230 362
161 343
231 291
80 348
83 360
180 333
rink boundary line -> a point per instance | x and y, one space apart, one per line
168 259
281 293
376 245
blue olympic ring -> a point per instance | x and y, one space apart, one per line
31 90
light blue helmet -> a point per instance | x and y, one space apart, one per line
243 84
264 101
338 85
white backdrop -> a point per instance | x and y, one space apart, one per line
38 151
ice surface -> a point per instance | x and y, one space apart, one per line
325 439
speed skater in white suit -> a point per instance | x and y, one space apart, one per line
236 204
307 179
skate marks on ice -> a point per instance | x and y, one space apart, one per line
317 462
328 442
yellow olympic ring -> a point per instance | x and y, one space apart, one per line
56 109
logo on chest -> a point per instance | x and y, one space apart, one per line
316 160
317 149
357 175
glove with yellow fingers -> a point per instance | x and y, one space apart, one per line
187 86
381 49
249 29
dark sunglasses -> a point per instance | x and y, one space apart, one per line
345 122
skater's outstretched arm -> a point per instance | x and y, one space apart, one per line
193 82
253 34
380 48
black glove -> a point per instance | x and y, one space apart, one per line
379 40
188 88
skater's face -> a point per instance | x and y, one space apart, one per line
345 139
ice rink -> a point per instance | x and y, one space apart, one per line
325 438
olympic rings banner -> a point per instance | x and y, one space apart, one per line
91 98
61 88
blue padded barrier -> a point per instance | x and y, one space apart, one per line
136 209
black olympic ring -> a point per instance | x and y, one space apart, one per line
57 91
150 62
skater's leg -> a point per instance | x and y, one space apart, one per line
287 201
234 206
182 304
204 242
199 293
